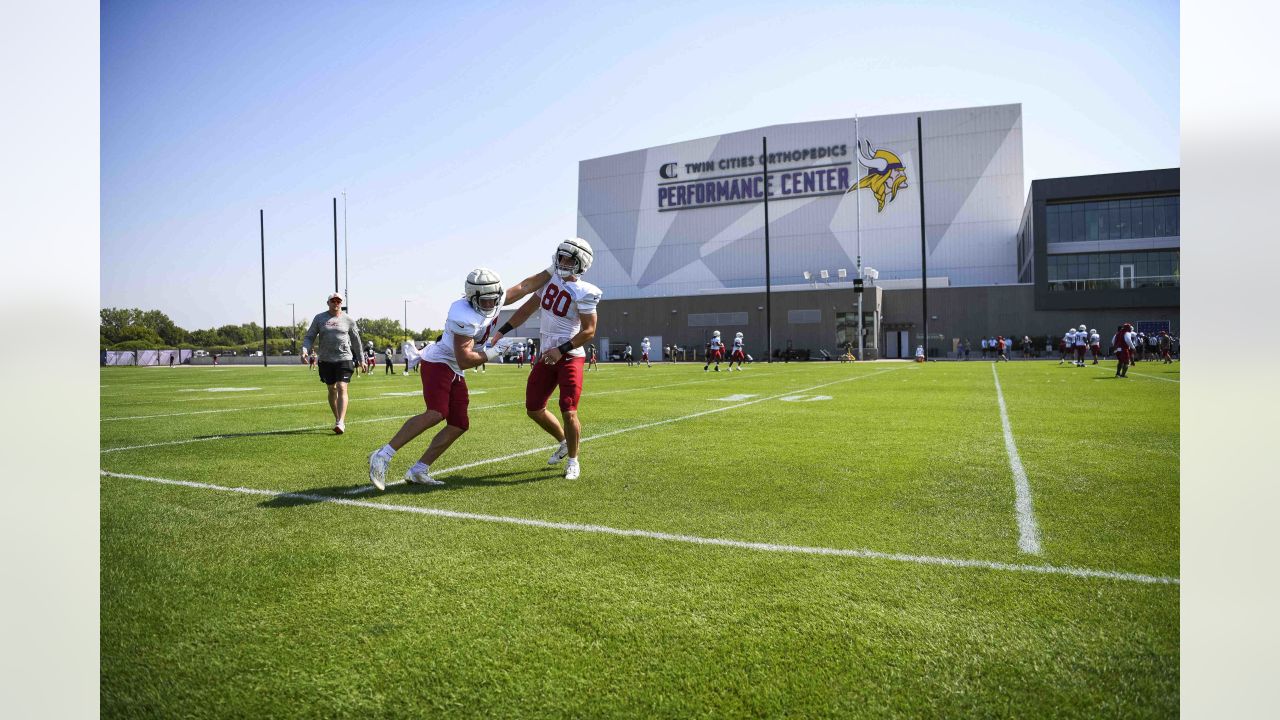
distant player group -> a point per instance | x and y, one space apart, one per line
1128 347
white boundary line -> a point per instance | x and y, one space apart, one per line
670 537
369 488
1028 530
1142 375
367 420
363 399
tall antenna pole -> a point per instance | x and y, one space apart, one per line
335 246
857 199
262 234
924 261
346 254
768 285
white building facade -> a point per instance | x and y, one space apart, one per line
688 218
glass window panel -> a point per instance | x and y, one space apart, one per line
1149 220
1091 223
1135 220
1051 231
1126 226
1077 225
1175 221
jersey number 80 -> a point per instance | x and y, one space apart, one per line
556 300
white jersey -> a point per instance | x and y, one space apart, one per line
563 304
1082 339
716 344
1095 339
644 347
1071 338
737 344
409 350
465 322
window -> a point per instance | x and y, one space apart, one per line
1119 219
1102 271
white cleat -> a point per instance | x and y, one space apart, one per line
572 470
339 428
421 477
378 469
559 454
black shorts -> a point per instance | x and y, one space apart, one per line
333 372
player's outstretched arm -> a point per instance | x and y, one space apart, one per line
526 286
519 318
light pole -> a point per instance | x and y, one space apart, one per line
293 327
346 254
406 319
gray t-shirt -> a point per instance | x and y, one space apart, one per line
337 336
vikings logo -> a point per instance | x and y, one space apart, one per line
884 173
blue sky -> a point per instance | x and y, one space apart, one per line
456 129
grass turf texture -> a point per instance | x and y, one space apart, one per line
220 604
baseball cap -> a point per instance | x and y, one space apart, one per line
334 295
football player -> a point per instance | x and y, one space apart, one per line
715 351
1081 343
1066 345
644 352
444 382
568 322
738 355
1095 344
591 357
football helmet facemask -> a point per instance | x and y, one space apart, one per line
572 257
484 292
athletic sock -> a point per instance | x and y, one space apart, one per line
387 450
420 466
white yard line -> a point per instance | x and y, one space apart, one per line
548 448
670 537
1131 372
1028 529
364 399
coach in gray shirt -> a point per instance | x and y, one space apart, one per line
338 335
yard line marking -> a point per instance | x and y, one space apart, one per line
1149 377
671 537
739 397
384 396
1028 530
356 422
369 488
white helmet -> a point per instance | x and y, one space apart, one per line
1094 330
715 334
579 251
483 285
646 339
1083 328
739 335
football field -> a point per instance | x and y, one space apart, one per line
801 540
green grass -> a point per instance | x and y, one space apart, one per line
229 604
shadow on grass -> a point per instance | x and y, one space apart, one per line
452 482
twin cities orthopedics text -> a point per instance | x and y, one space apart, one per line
731 189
